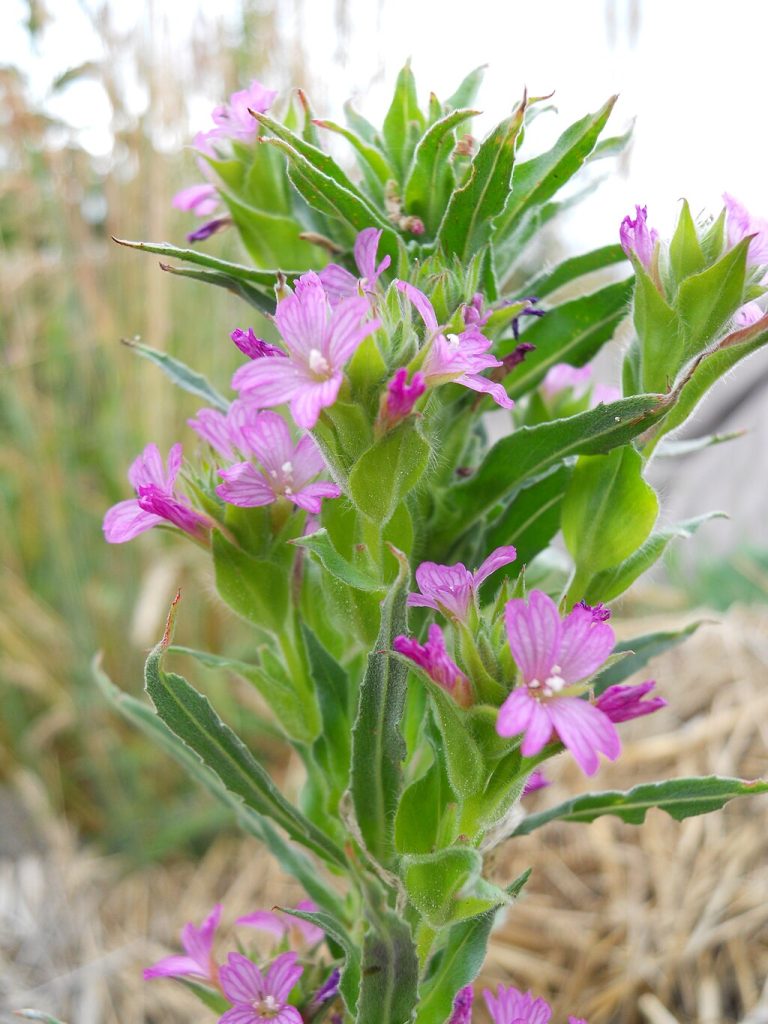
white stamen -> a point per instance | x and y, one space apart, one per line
287 468
453 340
317 362
273 474
554 683
266 1005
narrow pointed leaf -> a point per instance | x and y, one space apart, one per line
265 278
467 90
680 798
430 169
259 300
181 375
466 224
390 973
378 748
349 983
574 268
403 115
641 649
319 544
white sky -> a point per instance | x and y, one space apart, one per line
692 72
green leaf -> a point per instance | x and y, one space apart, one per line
349 983
293 705
680 798
264 278
466 225
430 173
433 881
257 590
390 973
291 859
468 89
332 686
570 333
378 748
672 449
391 467
610 583
421 809
537 180
243 290
373 165
272 239
208 996
641 649
531 451
685 255
659 330
190 716
402 116
707 301
608 509
532 518
574 268
320 546
459 961
706 371
38 1015
180 374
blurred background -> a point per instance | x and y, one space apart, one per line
98 100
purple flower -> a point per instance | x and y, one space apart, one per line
553 657
474 313
636 238
433 658
598 611
234 120
202 200
456 358
327 991
563 376
286 469
319 340
340 284
748 314
462 1006
253 347
740 223
536 780
156 500
282 925
224 431
401 396
258 998
451 589
511 1006
198 946
622 703
211 227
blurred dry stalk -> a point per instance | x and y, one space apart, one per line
75 408
661 923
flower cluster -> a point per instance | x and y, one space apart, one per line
507 1006
257 995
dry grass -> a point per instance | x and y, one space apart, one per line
668 922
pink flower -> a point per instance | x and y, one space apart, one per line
224 431
340 284
282 925
202 200
319 340
474 311
156 500
511 1006
462 1006
636 238
563 376
622 703
401 396
433 658
553 656
451 589
456 358
740 223
198 947
258 998
536 780
603 394
234 121
286 469
748 314
253 347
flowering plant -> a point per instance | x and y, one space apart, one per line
344 491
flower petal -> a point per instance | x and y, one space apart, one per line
487 387
282 975
311 496
498 558
311 398
241 1015
338 283
241 980
307 461
585 731
584 645
533 630
174 967
126 520
265 921
301 318
421 302
269 381
268 437
244 486
347 330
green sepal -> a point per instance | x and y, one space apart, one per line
707 301
320 546
685 253
659 330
